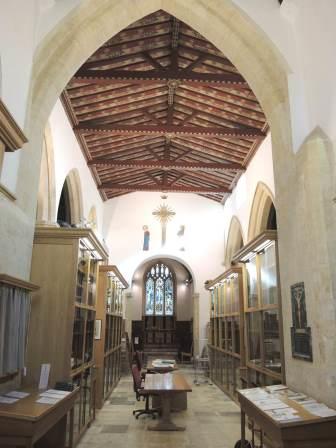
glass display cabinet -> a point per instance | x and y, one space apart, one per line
226 346
262 310
65 264
108 331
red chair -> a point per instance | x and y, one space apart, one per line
141 393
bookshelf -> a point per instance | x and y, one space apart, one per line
65 264
109 332
226 345
262 311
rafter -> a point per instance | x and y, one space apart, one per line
243 131
111 186
153 76
166 164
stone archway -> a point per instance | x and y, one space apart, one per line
234 240
261 205
46 200
88 26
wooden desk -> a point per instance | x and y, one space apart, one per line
30 424
310 431
166 386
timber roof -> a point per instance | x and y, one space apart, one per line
159 108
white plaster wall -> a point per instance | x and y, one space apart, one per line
124 218
240 202
68 155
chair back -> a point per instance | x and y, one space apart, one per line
136 377
137 360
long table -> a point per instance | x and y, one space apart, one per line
308 431
27 423
166 386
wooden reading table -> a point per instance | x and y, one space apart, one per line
26 423
166 385
309 431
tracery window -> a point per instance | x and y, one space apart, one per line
159 287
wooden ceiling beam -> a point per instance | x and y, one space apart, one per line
166 164
111 186
242 131
153 76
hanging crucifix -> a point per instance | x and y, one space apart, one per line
164 214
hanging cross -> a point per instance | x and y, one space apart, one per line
164 214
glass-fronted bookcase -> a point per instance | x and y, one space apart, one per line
262 311
226 348
65 264
109 331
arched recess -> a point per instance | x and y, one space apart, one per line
178 324
92 218
89 25
73 192
262 209
46 200
234 240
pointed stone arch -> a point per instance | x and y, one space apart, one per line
89 25
262 204
74 189
46 200
234 240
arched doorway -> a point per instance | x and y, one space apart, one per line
162 308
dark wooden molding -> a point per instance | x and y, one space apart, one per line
159 76
164 188
242 131
10 133
9 280
167 164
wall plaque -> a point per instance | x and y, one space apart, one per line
300 332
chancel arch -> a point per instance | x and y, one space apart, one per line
234 240
263 212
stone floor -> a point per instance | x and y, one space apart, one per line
212 421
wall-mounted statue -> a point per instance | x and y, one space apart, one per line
146 238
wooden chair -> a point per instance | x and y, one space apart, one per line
141 393
189 355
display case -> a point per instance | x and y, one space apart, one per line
65 264
226 348
262 310
108 331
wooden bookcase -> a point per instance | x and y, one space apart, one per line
262 311
226 344
65 264
108 337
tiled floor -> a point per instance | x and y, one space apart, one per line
212 421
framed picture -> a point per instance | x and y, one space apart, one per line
97 329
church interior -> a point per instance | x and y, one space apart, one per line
167 217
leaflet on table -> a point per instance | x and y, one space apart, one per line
62 393
276 388
17 394
48 400
270 404
319 409
281 415
8 400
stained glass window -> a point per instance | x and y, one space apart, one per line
159 291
